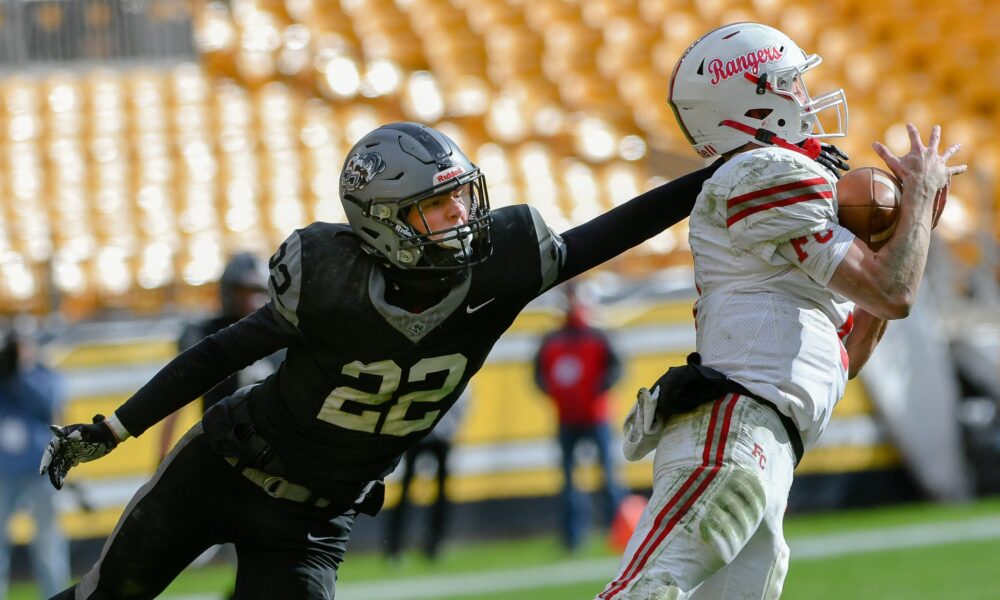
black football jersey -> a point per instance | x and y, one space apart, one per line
368 379
363 380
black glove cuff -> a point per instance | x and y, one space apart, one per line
833 159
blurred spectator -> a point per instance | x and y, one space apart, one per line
31 397
437 446
576 366
242 290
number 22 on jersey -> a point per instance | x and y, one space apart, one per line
354 409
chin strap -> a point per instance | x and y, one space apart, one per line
810 147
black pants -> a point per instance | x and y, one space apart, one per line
439 449
195 500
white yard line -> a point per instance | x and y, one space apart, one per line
598 570
892 538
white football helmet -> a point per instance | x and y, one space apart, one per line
388 173
741 67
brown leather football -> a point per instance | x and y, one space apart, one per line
868 200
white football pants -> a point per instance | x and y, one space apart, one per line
712 528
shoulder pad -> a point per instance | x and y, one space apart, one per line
773 195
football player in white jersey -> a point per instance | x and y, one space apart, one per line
790 307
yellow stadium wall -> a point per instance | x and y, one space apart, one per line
507 410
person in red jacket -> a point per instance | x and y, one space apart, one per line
576 366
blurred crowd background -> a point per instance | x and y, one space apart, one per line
141 141
144 142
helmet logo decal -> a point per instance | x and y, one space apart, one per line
360 170
449 173
751 61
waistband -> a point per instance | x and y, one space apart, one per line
279 487
790 428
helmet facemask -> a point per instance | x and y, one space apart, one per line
789 82
449 248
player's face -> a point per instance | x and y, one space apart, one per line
450 209
799 90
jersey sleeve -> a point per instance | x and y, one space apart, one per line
775 196
202 366
818 254
285 281
551 250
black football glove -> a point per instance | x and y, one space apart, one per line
833 159
75 444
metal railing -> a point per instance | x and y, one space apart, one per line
51 33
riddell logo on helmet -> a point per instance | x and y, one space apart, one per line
751 61
451 173
707 151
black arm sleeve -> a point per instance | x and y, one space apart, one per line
608 235
202 366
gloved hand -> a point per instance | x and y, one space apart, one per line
74 444
642 426
833 159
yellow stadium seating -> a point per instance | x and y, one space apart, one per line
127 188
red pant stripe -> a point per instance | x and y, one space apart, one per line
642 555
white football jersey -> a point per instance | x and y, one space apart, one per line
766 241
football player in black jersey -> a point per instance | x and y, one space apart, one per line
384 321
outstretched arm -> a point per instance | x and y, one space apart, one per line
626 226
191 335
186 377
202 366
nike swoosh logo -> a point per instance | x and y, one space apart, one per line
313 538
472 309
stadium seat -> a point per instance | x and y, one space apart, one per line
123 170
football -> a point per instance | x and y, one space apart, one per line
868 204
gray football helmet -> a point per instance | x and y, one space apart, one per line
388 173
244 270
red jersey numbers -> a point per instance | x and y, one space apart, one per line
800 243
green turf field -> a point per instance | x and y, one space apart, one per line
913 553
